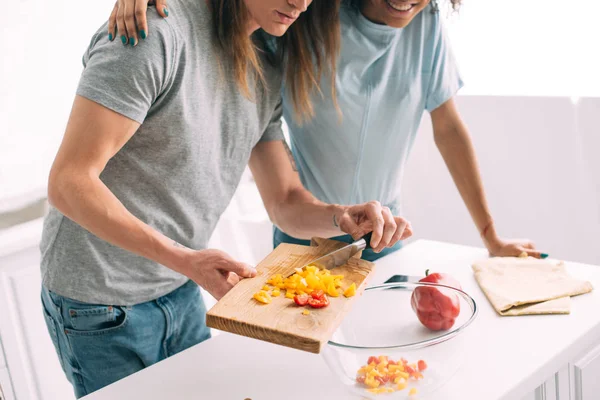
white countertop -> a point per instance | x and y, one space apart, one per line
508 357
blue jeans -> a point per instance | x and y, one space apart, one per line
369 255
99 344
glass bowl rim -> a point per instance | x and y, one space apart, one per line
424 343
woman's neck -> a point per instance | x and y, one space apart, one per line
370 12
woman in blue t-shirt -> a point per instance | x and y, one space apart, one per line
395 63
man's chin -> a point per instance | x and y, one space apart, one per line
276 29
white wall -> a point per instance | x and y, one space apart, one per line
41 46
540 171
528 47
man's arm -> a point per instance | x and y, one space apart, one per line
454 143
94 135
298 213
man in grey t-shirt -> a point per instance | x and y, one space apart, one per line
155 146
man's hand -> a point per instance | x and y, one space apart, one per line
361 219
215 271
298 213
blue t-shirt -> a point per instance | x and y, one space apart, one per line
386 77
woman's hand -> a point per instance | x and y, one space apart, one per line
499 247
128 19
387 229
513 248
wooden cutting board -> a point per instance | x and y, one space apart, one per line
282 322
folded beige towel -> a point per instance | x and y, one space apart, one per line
522 286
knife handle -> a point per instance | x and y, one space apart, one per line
367 239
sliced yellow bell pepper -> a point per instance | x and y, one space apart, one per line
395 368
312 280
383 375
351 291
275 280
262 297
305 281
372 382
312 269
332 291
381 390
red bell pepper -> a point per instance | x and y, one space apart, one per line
436 308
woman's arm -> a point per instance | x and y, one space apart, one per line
454 143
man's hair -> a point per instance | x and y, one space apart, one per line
309 45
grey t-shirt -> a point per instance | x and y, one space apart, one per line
180 169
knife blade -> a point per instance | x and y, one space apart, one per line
404 278
341 256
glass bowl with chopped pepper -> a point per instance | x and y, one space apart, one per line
402 339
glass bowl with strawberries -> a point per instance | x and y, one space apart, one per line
402 339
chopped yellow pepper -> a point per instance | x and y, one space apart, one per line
305 312
351 291
331 290
396 368
276 280
384 375
304 281
381 390
372 382
262 297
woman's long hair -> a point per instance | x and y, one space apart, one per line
310 44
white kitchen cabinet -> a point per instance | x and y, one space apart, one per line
586 375
563 384
6 392
530 396
546 391
32 364
579 380
2 361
